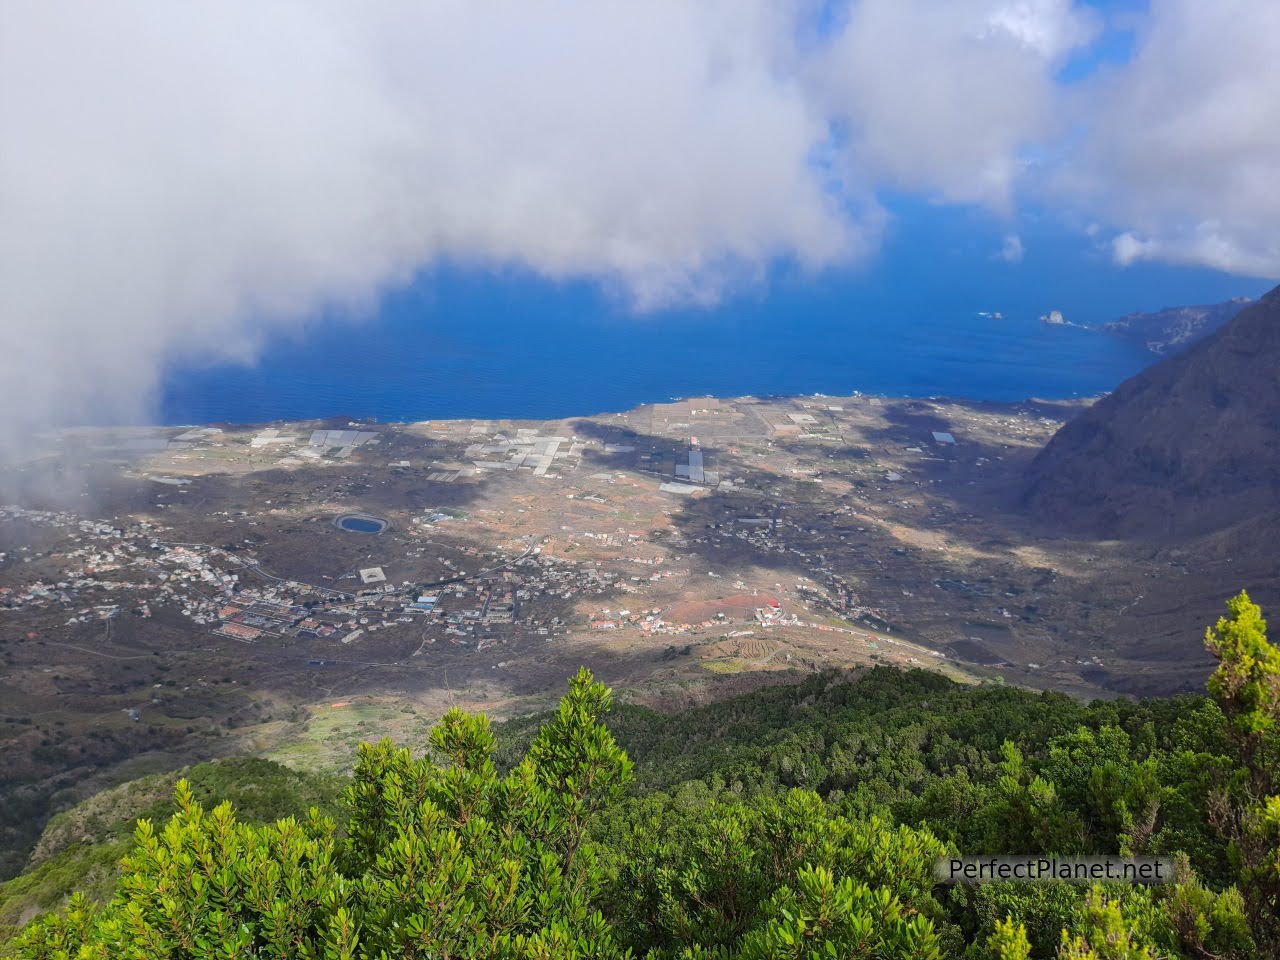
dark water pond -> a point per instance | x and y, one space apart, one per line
360 524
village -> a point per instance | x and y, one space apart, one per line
113 571
110 571
320 539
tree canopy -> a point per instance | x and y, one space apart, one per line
799 822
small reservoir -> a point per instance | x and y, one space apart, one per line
360 523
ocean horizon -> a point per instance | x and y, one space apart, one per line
501 344
392 375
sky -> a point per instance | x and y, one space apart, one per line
183 182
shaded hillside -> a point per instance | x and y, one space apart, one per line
1174 328
1188 447
80 848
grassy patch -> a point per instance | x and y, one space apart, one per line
327 742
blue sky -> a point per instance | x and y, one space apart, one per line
1115 42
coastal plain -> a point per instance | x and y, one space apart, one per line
293 588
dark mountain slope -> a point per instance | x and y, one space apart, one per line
1188 447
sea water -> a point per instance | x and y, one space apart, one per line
462 343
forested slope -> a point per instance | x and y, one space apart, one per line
799 821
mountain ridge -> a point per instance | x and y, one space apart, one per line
1171 329
1187 447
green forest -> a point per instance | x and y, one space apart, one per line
800 821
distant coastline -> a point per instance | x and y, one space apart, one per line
402 371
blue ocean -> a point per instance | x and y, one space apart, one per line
465 342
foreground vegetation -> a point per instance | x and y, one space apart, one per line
798 822
80 850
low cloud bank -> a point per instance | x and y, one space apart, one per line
187 180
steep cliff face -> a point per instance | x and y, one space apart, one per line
1188 447
1170 330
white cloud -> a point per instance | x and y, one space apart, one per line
1051 28
1182 146
190 179
943 97
1127 249
1011 249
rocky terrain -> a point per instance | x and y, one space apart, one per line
1186 447
1167 331
1183 461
